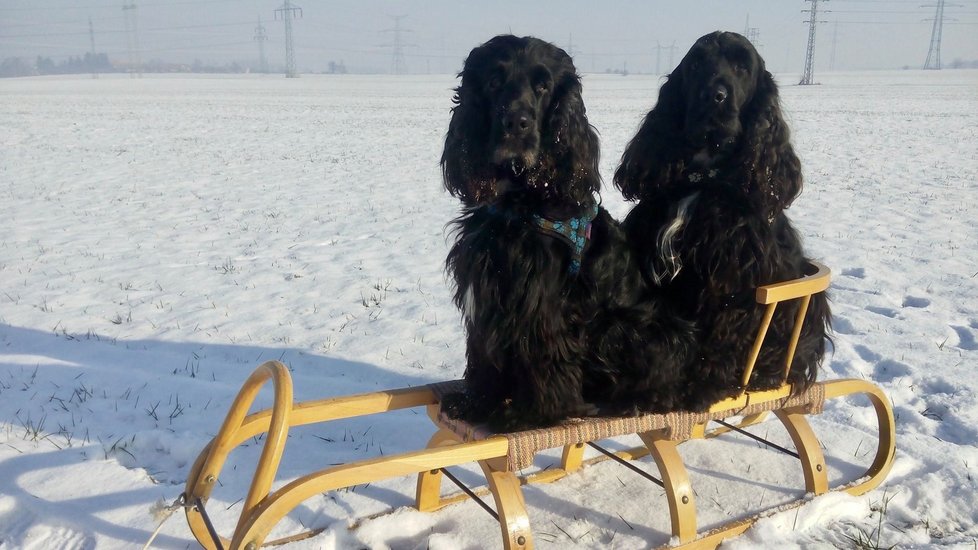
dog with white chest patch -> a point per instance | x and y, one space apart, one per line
713 171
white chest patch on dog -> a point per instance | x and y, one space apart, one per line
468 304
668 264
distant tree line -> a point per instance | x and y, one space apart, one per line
962 64
89 63
100 63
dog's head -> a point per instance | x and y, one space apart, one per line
519 124
720 75
718 112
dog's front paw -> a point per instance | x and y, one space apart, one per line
505 418
457 405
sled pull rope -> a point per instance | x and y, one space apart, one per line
628 465
469 492
163 513
759 439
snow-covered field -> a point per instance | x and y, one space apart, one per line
159 238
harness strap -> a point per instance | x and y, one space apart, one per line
574 231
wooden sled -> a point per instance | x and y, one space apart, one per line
502 456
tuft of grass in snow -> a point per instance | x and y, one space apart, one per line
227 268
33 431
862 540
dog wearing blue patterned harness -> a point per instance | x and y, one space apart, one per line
556 312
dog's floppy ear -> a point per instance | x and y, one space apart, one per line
775 171
652 156
463 131
572 137
456 174
467 130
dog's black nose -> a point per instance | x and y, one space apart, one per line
516 123
720 94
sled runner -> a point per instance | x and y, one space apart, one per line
503 456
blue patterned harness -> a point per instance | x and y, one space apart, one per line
574 231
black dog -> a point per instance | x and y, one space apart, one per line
714 170
538 265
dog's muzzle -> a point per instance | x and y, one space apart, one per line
518 139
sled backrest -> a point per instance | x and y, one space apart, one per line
817 280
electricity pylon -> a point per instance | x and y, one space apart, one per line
806 78
132 39
398 65
288 13
934 52
261 37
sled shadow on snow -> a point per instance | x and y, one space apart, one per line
93 418
81 406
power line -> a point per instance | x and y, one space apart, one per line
103 6
149 29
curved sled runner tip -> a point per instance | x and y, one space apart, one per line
501 456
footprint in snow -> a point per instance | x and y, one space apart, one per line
854 272
867 354
966 338
884 311
888 370
935 386
913 301
841 325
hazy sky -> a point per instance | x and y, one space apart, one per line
436 35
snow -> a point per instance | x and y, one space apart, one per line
161 237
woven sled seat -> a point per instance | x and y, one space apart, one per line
503 457
523 446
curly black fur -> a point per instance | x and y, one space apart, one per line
713 170
519 148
